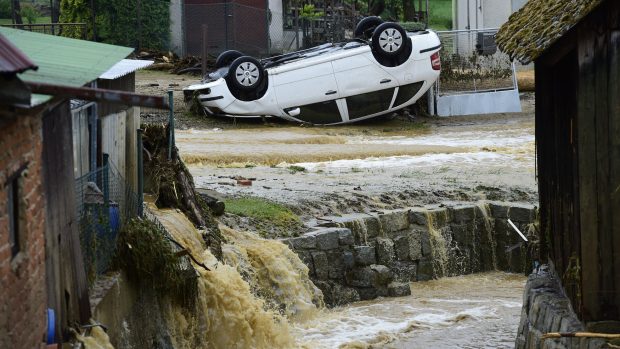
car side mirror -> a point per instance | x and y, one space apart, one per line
293 111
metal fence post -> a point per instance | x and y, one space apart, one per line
140 173
205 30
106 179
171 141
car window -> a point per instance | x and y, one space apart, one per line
406 92
320 113
369 103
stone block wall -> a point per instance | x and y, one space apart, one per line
546 309
22 274
363 256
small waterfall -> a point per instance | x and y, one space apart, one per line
227 314
275 272
439 245
488 233
358 228
97 339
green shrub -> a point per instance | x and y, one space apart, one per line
263 210
5 9
148 257
118 22
29 13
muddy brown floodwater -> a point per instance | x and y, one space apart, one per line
473 311
376 165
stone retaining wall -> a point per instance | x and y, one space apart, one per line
363 256
546 309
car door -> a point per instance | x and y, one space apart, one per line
368 88
310 87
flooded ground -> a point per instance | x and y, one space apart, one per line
473 311
445 159
380 164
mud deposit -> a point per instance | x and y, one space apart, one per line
253 299
354 169
474 311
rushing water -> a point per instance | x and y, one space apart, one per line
473 311
261 297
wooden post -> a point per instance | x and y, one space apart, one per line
171 141
205 29
140 173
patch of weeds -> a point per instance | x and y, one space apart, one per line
294 169
263 210
356 169
149 258
250 165
409 174
442 169
320 171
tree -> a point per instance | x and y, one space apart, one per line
55 10
409 11
30 13
17 10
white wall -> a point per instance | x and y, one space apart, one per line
480 14
176 27
276 27
495 12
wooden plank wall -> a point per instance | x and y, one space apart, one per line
556 78
66 279
131 152
113 141
81 144
599 162
578 145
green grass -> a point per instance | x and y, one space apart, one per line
294 169
263 210
440 14
40 20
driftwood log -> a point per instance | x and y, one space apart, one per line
171 183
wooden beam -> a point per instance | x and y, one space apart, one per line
99 95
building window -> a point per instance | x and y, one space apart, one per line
15 211
13 205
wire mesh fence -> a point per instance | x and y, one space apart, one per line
184 262
261 32
471 62
79 29
231 26
104 202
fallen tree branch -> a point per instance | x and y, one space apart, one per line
580 334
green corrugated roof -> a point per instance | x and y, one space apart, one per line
538 24
64 61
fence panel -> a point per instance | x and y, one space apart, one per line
104 202
215 16
470 62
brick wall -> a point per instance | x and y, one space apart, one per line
22 277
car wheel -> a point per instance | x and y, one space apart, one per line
226 58
246 73
366 26
389 40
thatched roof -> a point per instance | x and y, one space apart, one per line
537 25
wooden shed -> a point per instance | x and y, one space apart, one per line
575 45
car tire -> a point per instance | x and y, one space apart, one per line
389 40
247 79
246 73
226 58
366 27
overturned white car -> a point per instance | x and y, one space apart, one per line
384 70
